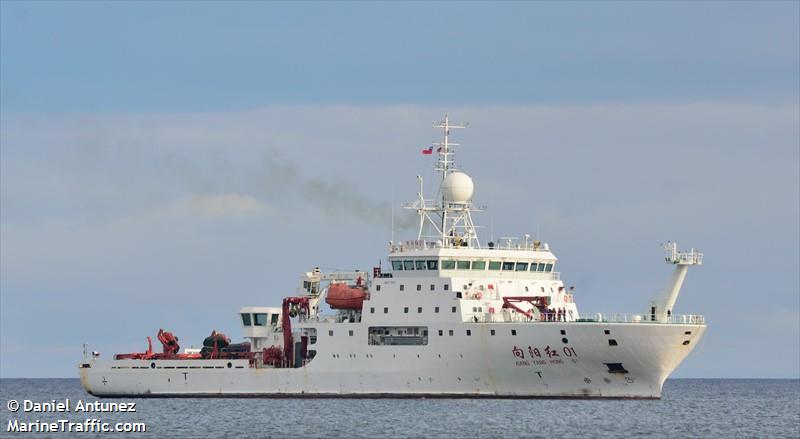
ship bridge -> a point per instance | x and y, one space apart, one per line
424 261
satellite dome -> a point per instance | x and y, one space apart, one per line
457 188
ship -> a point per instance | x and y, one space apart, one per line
446 317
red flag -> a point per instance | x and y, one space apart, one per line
428 150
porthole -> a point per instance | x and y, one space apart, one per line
230 365
564 340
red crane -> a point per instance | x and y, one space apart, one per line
296 306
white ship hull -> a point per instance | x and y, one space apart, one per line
451 318
479 365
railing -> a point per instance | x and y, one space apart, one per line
421 244
509 316
693 319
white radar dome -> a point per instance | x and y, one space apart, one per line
457 188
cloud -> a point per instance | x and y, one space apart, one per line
222 205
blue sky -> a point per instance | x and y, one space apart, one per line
213 56
163 164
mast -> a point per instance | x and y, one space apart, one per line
661 306
446 157
449 217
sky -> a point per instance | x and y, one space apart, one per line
164 164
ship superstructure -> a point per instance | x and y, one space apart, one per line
450 317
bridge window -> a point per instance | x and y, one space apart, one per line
448 265
260 319
433 265
274 319
522 266
508 266
549 268
408 265
420 265
534 265
541 268
494 265
397 265
463 265
479 265
246 319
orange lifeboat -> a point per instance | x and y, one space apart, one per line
343 296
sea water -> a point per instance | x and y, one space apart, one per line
689 408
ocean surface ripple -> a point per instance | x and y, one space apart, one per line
689 408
